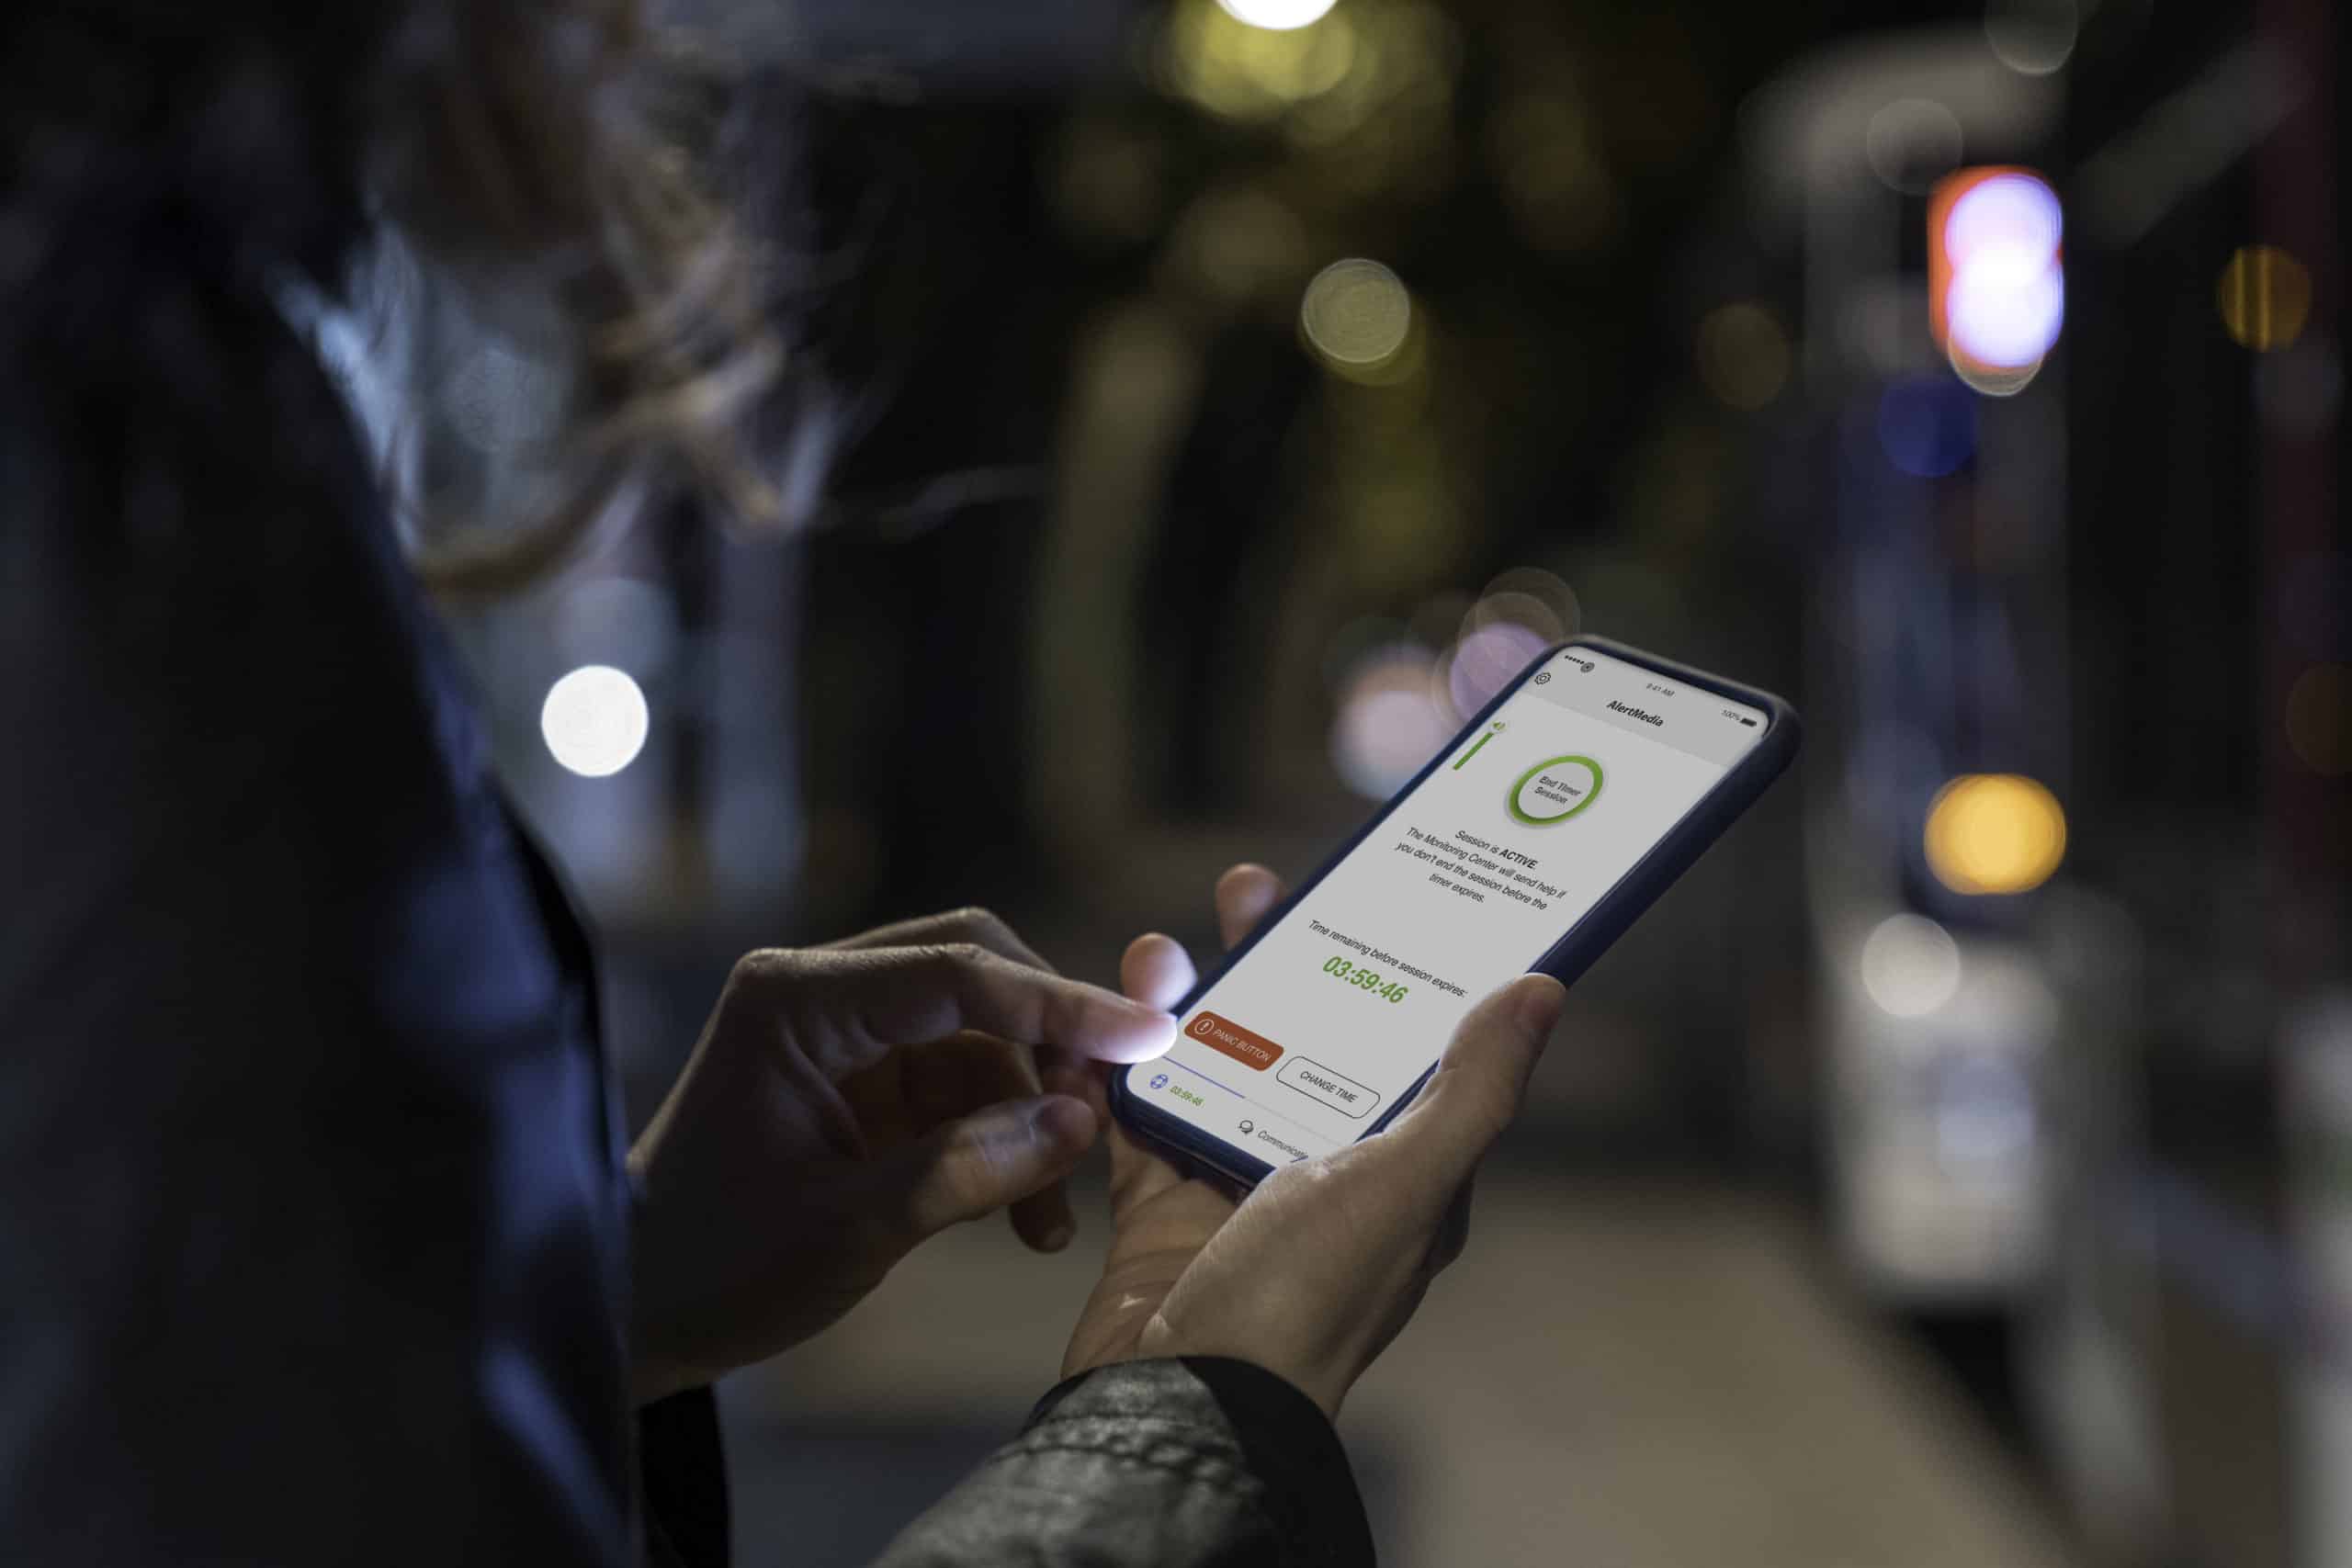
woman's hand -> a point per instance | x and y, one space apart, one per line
843 1103
1314 1273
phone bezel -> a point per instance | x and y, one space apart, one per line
1205 1154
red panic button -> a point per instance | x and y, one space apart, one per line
1246 1046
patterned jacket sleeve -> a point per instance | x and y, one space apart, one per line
1199 1462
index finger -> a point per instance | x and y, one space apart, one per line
846 1008
1244 893
971 923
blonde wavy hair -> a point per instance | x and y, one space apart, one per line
171 174
552 147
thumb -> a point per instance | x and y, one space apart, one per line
972 1166
1481 1081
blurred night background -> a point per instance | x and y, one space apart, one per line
1203 405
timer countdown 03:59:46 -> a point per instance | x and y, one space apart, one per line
1367 980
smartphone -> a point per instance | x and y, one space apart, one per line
1559 814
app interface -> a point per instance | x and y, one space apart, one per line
1524 826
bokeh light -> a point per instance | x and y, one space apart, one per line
1995 380
2319 719
2265 295
2007 292
1532 596
1910 965
1742 355
1912 143
1245 71
594 720
1387 724
1355 315
1520 612
1277 16
1995 277
2005 310
2003 216
1517 608
2032 37
1995 833
1926 425
1371 86
1239 244
1486 659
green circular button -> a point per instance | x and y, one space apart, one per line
1551 792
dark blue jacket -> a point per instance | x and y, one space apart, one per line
315 1243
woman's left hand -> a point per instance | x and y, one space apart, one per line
843 1103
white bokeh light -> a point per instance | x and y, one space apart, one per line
1910 965
2006 308
1355 314
2010 211
1485 661
2032 37
1276 16
2007 297
1389 722
594 720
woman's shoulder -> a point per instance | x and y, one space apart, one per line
167 420
193 524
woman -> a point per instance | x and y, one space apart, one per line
322 1241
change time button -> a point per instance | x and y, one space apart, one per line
1316 1082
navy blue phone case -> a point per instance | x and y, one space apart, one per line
1204 1154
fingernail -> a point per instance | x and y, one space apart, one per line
1059 1236
1063 1120
1537 1006
1166 1024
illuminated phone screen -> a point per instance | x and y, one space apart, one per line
1307 1042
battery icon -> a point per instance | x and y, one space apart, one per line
1746 720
